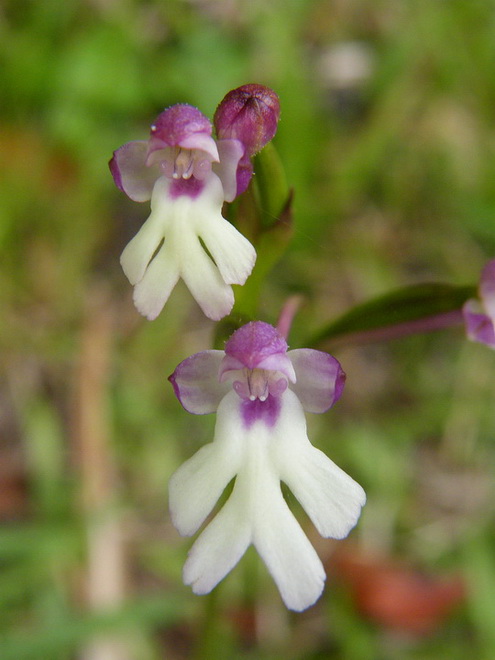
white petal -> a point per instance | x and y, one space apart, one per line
331 498
280 541
139 251
204 281
196 486
197 269
233 254
153 290
219 547
288 554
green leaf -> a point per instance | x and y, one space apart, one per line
413 309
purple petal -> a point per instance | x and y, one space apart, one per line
202 142
320 379
487 288
479 326
196 385
130 173
255 342
279 362
229 364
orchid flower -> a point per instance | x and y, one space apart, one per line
479 315
260 391
188 175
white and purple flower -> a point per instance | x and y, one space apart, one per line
260 391
188 175
479 315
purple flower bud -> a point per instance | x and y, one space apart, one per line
249 114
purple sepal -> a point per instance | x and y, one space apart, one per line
243 175
178 123
320 379
249 113
115 172
130 173
479 326
260 411
196 385
255 342
487 288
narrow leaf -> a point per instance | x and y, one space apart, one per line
413 309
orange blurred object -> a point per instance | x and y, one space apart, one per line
395 595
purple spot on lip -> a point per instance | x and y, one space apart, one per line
190 187
257 410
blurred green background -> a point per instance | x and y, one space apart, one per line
388 138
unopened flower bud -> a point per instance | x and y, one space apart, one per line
250 114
